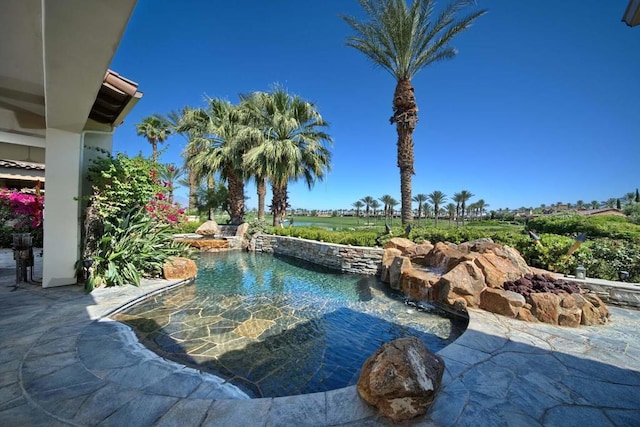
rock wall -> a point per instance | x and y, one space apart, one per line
344 258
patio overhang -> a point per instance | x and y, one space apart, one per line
632 14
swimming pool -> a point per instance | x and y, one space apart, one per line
278 326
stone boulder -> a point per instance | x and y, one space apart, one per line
401 379
399 243
242 229
209 228
179 268
445 256
419 251
498 269
387 259
502 302
418 284
464 281
399 265
545 307
594 312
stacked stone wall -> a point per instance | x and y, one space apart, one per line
343 258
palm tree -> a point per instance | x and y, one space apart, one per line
595 204
457 197
437 198
156 131
386 200
403 40
293 146
580 204
170 174
368 201
175 119
481 206
358 205
219 149
451 210
375 205
392 208
629 197
464 198
420 198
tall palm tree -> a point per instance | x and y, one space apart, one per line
437 198
367 200
420 198
156 131
386 201
392 208
595 204
219 149
482 206
358 205
403 40
293 146
451 211
174 120
457 197
464 198
374 206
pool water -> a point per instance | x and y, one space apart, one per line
277 326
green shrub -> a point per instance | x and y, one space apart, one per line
609 226
133 246
354 238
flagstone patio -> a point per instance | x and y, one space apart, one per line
64 362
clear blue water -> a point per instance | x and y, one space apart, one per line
277 326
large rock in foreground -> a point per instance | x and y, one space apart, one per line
179 268
401 379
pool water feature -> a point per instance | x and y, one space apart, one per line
278 326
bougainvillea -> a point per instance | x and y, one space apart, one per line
25 210
162 210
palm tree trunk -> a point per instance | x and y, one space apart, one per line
210 186
262 191
405 117
279 203
236 197
193 188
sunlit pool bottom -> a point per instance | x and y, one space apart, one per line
278 327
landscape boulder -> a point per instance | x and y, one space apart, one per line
388 256
399 243
209 228
499 301
418 284
399 265
179 268
464 281
401 379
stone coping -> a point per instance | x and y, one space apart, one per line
63 362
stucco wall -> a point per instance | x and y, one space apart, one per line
344 258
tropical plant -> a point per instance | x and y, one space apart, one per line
420 199
169 176
437 198
220 148
358 205
156 131
403 40
451 211
368 204
375 205
464 197
293 146
132 246
175 120
20 213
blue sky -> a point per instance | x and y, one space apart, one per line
541 104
